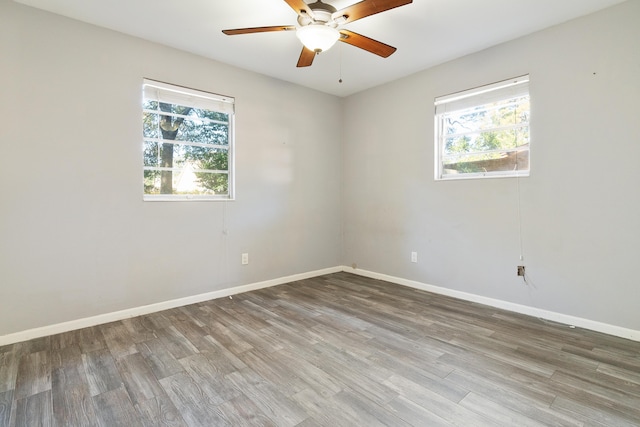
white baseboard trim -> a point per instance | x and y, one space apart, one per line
617 331
152 308
165 305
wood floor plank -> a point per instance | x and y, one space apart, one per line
346 408
592 415
524 382
101 371
9 360
415 414
90 339
193 404
259 342
439 405
290 334
138 378
160 360
599 396
630 378
629 361
156 321
242 412
365 378
63 340
243 315
73 406
118 340
34 410
312 375
500 414
366 412
114 409
35 345
71 399
192 331
138 329
410 367
513 398
273 370
228 338
271 401
7 408
159 411
223 359
556 358
34 374
177 344
211 381
502 355
326 410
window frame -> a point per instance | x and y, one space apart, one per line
153 90
477 97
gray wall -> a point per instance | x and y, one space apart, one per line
76 239
580 207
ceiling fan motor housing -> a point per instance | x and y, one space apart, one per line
322 14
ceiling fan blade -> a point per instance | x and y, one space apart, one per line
306 57
366 43
258 30
367 8
300 7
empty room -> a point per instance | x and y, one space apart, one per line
329 213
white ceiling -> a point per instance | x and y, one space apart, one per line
426 33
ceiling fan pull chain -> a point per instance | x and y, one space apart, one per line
340 63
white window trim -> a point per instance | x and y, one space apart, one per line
174 94
468 98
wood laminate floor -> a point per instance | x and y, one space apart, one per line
337 350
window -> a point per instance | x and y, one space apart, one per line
483 132
187 143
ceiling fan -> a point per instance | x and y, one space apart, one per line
318 27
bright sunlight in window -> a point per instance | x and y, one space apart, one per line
484 132
187 143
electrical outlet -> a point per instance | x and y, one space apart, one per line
521 270
414 256
245 259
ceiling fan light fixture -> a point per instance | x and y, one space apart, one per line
318 37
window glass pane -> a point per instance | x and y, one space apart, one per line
150 105
185 129
213 183
194 170
174 108
502 113
211 115
151 154
185 181
180 155
203 132
491 136
151 182
486 163
486 141
186 142
208 158
150 127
